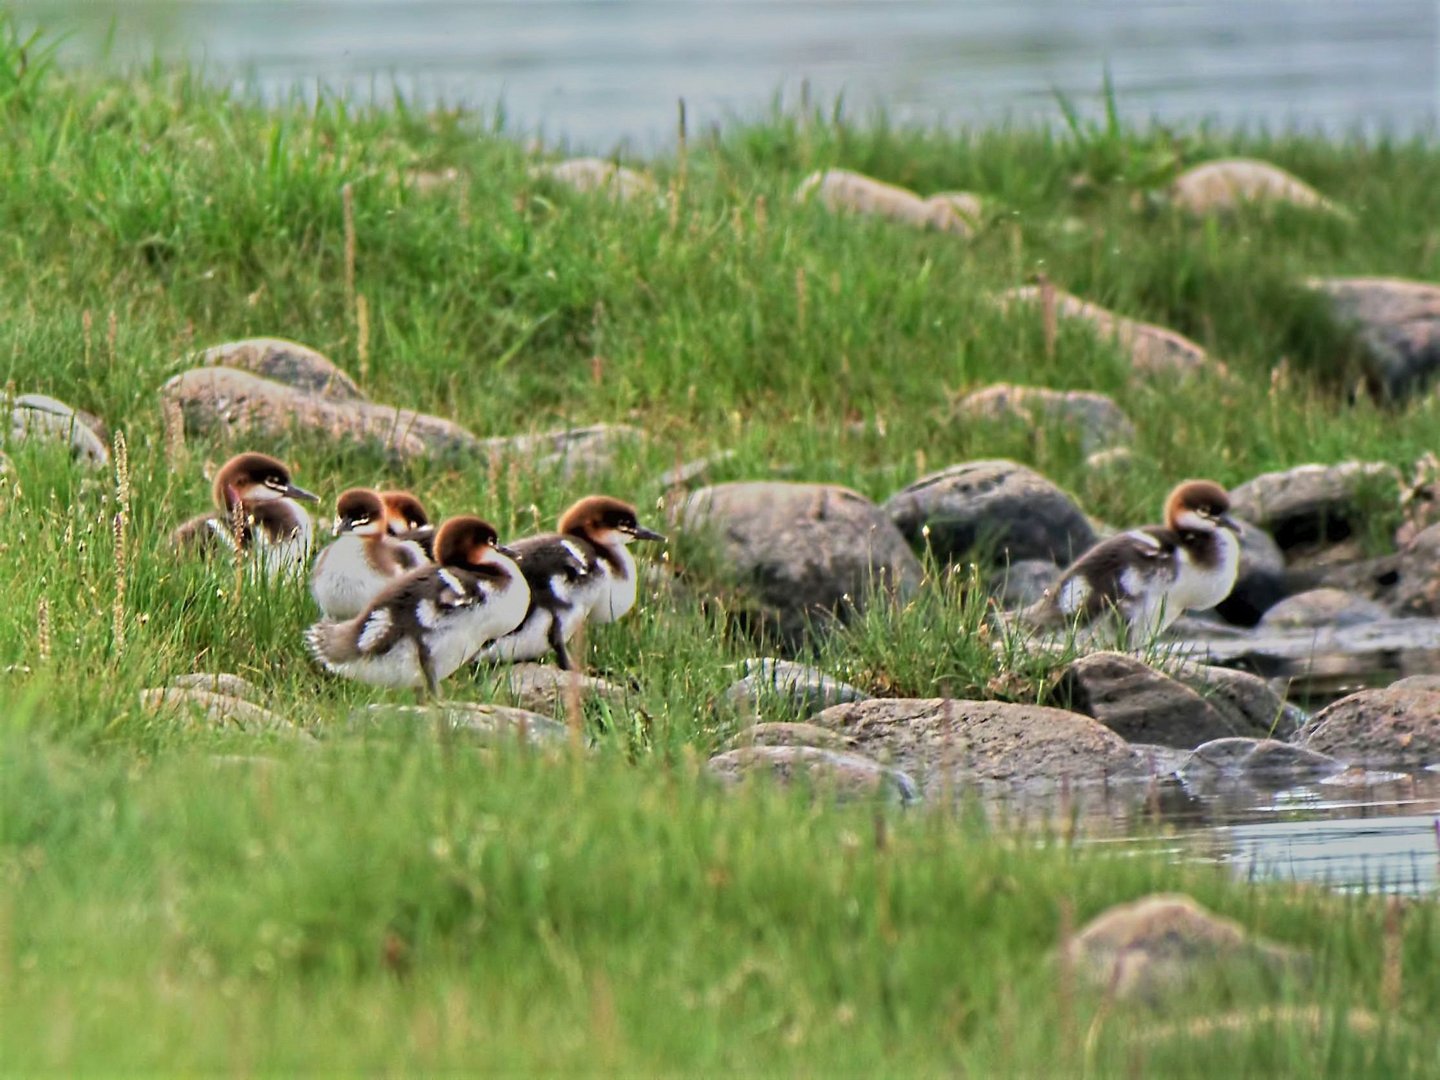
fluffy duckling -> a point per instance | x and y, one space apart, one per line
405 517
258 511
364 557
582 572
1151 575
423 626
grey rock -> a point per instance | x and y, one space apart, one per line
1222 187
840 190
485 724
1260 582
1166 946
1013 511
1143 705
219 682
1315 505
802 688
1022 583
285 362
1417 575
216 710
1322 607
846 775
544 688
1398 323
571 452
805 552
1264 762
1093 420
1416 682
687 474
782 733
944 741
1383 727
1160 761
41 418
1247 701
590 174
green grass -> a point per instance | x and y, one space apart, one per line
367 904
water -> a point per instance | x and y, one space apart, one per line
600 73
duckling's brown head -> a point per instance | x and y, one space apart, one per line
605 521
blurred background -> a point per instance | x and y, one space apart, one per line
603 74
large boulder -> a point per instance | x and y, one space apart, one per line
1093 420
286 362
1394 726
1399 325
1219 187
804 689
1012 511
42 418
1143 705
805 552
942 741
1322 607
1417 571
1314 505
1256 762
838 772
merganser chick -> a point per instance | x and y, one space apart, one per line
363 559
423 626
405 517
1151 575
258 512
583 571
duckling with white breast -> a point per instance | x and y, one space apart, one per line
583 572
405 517
425 625
258 511
1151 575
363 558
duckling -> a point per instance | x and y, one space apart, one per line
423 626
363 559
582 572
1153 574
258 512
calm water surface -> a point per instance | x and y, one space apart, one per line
603 72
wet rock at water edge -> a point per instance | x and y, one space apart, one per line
589 174
1093 420
1399 325
1012 512
1153 350
844 774
1226 185
1397 725
1143 705
285 362
1165 946
784 733
544 688
842 190
944 742
1417 576
1315 505
793 685
1322 607
485 724
1260 581
804 552
41 418
1245 699
1262 762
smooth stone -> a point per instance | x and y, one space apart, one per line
487 724
1167 945
1153 350
219 682
1093 420
1257 761
286 362
1399 325
689 473
1245 699
945 741
42 418
840 190
1416 682
793 685
788 733
588 175
219 710
543 688
1322 607
1313 504
1143 705
1014 510
570 452
1384 727
231 403
1260 581
846 775
1224 186
804 552
1022 583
